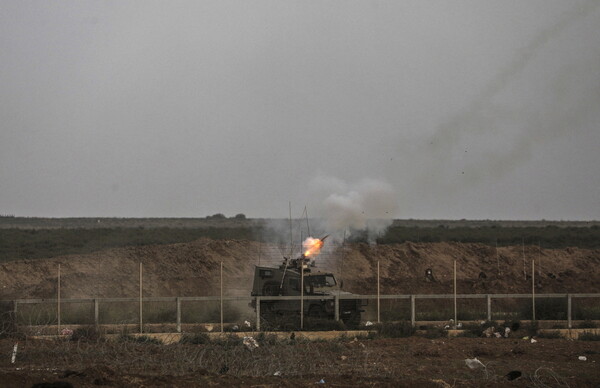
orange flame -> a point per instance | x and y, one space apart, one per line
312 246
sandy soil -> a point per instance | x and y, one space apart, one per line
405 362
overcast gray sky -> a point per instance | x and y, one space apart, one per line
422 109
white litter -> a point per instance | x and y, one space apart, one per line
498 335
489 332
248 324
369 323
506 332
250 343
474 363
14 353
533 340
582 358
235 328
322 381
278 373
459 325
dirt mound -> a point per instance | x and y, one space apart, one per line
193 269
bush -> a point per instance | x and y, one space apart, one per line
267 339
142 339
587 324
86 333
195 339
395 330
549 334
227 341
435 332
475 330
589 337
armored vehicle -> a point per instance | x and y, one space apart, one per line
286 280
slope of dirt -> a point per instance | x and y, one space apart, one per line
193 269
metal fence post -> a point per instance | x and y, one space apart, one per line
412 310
96 314
569 311
258 313
378 296
489 307
178 302
58 300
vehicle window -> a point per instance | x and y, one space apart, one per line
330 281
322 281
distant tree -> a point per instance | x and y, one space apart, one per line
240 216
218 216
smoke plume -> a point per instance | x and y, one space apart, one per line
367 204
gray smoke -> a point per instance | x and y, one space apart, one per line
507 135
366 204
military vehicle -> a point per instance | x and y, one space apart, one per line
286 280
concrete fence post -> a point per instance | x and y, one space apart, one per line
489 307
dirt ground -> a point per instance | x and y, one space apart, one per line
403 362
192 269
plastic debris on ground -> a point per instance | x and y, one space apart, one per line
322 381
369 323
67 332
533 340
497 335
459 325
582 358
248 324
278 373
235 328
506 332
14 353
489 332
250 343
474 363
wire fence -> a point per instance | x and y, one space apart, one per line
221 312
